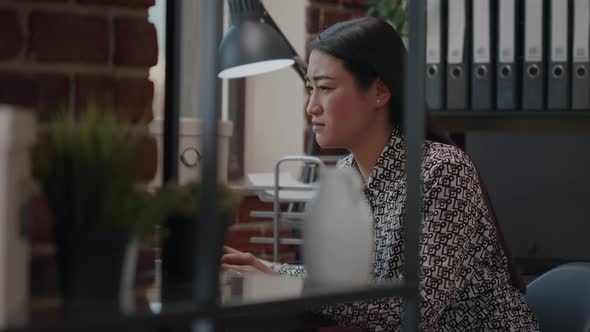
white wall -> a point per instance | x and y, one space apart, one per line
274 118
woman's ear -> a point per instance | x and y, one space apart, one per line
381 93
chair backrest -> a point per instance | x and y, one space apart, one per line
560 298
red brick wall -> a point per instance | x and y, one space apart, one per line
59 55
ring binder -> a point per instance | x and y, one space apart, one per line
457 78
481 80
558 79
506 83
434 73
580 57
533 88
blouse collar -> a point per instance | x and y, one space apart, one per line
390 164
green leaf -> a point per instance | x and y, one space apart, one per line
392 11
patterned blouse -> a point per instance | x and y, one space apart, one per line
465 285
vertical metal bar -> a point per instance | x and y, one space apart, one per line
310 162
172 95
414 131
210 229
276 215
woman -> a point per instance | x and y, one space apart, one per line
468 282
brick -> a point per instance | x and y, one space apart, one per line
54 94
312 20
18 89
134 96
361 4
43 275
99 91
145 259
11 37
93 90
333 16
147 160
58 37
358 14
136 42
42 222
45 93
121 3
44 314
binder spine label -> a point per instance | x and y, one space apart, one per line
433 40
533 37
559 27
456 31
507 23
581 30
481 31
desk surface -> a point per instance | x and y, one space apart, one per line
256 301
239 289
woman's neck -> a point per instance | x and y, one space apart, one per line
367 151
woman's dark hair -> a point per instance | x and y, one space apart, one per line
371 48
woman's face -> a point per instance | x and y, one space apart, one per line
341 113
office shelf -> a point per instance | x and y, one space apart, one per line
498 120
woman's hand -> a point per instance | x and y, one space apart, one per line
235 260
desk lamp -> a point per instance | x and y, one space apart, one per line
254 45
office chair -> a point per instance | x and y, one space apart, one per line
560 298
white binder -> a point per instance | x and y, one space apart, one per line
457 75
506 70
558 73
434 66
481 73
581 56
533 88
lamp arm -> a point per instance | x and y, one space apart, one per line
300 66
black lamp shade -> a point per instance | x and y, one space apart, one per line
251 47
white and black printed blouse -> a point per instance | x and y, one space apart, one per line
465 284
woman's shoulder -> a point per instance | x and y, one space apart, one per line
447 166
439 154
